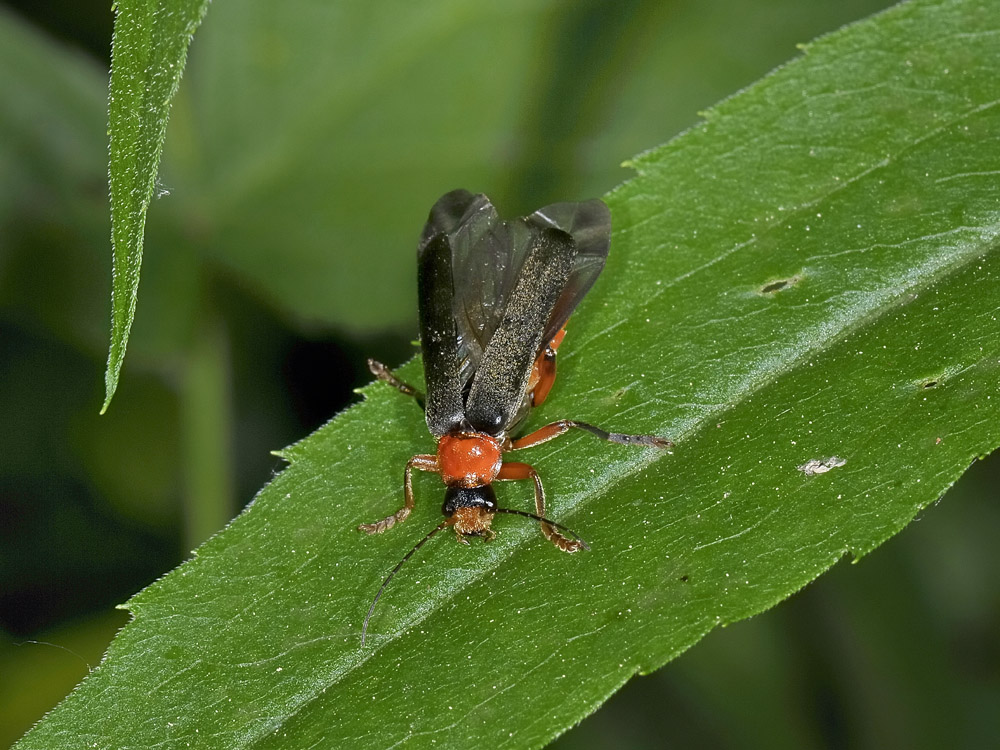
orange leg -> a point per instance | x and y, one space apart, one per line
513 471
555 429
423 462
543 375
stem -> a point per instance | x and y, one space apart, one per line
206 433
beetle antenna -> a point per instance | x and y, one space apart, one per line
407 556
545 520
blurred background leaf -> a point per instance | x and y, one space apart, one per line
320 136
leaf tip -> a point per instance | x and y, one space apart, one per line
110 384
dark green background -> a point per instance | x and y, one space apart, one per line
899 651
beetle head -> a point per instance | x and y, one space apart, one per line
471 509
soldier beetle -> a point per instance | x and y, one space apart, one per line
494 298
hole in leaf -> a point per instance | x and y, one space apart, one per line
937 380
772 287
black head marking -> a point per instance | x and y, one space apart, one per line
469 497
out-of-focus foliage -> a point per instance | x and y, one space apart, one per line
278 150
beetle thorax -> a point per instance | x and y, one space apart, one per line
469 459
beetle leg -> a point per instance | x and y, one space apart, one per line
555 429
422 461
543 374
386 375
512 471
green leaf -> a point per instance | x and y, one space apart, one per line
807 280
149 51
